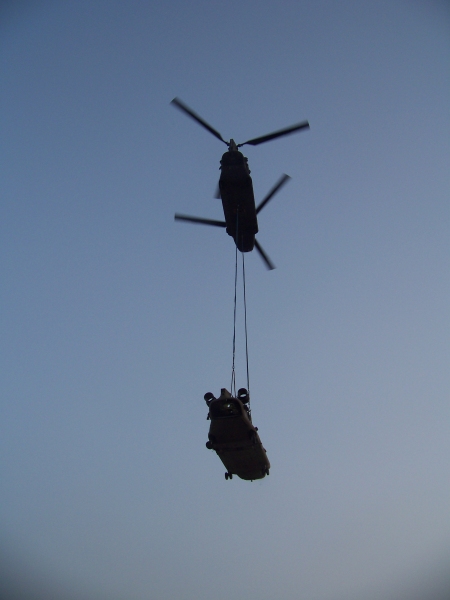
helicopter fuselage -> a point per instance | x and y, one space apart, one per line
236 187
238 201
234 437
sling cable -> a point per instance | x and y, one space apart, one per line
243 394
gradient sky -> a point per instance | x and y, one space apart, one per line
115 320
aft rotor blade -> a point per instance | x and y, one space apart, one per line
283 179
276 134
266 259
200 220
179 104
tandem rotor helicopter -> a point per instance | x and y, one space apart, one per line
236 188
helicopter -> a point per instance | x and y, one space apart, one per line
234 437
236 188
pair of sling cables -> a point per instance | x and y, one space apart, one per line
233 374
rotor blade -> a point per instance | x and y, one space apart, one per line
266 259
283 179
200 220
179 104
275 134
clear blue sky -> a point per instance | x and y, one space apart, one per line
115 320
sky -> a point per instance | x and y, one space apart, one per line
115 319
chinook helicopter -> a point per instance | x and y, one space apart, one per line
236 188
234 437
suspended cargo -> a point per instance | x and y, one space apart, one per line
233 436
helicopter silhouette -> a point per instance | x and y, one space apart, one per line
234 437
236 188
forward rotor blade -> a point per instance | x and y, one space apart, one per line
276 134
283 179
266 259
200 220
179 104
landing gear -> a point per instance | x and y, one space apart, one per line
208 397
265 470
228 475
243 396
209 445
